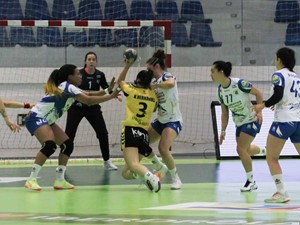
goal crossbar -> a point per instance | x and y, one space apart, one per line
166 24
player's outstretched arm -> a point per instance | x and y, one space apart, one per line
12 126
15 104
93 100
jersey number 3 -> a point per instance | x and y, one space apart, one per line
142 109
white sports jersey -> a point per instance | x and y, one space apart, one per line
288 108
51 108
237 98
168 101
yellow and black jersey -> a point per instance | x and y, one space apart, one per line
140 104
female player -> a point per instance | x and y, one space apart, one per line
61 90
286 124
234 95
141 102
168 124
92 80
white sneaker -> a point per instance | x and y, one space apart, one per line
152 182
108 165
249 186
176 183
278 198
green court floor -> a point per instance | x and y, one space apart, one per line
210 195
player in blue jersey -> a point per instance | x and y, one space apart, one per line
234 95
286 124
168 124
92 80
61 90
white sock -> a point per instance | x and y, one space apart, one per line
157 164
250 176
279 183
147 175
35 171
60 172
173 172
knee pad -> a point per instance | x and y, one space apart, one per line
48 148
67 147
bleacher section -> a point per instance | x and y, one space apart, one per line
248 37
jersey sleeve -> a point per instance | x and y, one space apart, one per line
167 75
244 85
127 89
103 83
73 90
278 79
219 96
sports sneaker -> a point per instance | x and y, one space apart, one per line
278 198
32 184
108 165
62 184
176 183
249 186
161 172
152 183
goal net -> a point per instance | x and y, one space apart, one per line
40 46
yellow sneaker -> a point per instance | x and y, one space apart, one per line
32 184
62 184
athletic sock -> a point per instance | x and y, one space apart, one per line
173 172
250 176
279 182
35 171
60 172
157 164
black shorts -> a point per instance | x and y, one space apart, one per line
136 137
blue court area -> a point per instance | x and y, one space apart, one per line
210 195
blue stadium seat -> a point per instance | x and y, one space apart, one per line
292 36
10 10
4 40
153 36
287 11
63 10
102 37
180 36
90 10
141 10
167 10
192 10
37 10
115 10
50 36
76 38
23 36
201 34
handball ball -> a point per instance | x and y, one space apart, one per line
130 54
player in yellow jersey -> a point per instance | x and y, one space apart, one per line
141 102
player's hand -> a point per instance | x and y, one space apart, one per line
12 126
222 137
259 117
119 98
115 92
112 84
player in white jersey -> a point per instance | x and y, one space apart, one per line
61 90
234 95
286 124
168 124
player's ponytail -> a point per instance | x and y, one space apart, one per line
158 58
51 87
57 77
